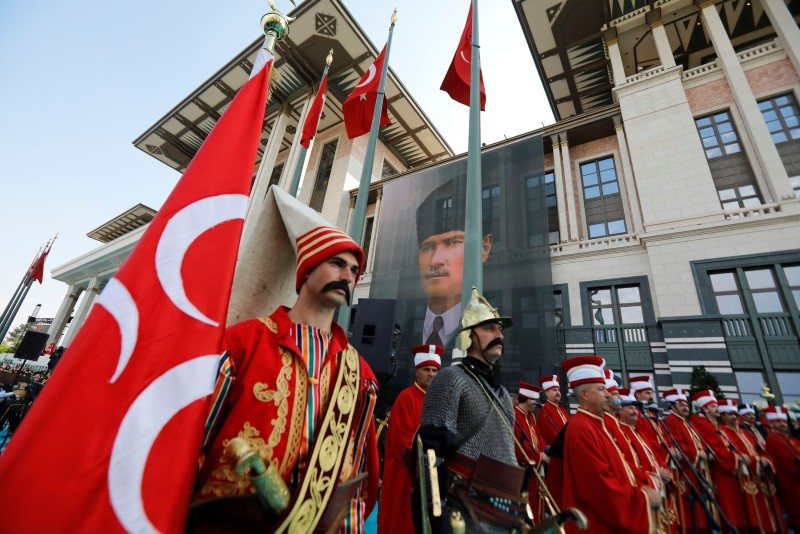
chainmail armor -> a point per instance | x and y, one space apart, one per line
457 403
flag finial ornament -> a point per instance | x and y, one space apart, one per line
275 26
394 16
329 57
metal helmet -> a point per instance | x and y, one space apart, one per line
478 311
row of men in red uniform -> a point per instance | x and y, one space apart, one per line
627 468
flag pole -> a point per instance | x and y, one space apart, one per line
301 157
22 290
360 211
473 231
19 294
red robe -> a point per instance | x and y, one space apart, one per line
724 466
550 420
614 427
667 517
263 391
528 435
689 442
785 453
756 511
649 431
394 512
599 483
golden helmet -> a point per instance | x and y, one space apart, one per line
478 311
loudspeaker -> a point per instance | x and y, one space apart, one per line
31 345
376 335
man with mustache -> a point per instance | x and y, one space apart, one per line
394 513
596 478
288 384
440 233
468 416
552 418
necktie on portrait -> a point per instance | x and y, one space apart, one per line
435 338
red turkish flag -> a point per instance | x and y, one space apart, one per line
312 119
37 269
457 80
111 444
360 105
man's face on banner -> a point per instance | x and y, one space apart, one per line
441 264
441 267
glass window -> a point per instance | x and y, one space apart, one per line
723 282
323 175
367 238
491 212
729 304
387 169
275 177
750 383
792 273
763 288
795 181
760 279
616 305
742 196
558 307
726 293
601 195
782 117
718 135
790 386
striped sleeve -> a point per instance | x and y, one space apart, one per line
225 377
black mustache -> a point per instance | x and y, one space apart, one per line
337 284
495 341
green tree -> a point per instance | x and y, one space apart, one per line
702 380
15 336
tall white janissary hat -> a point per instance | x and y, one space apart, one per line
284 243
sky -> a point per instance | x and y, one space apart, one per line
83 79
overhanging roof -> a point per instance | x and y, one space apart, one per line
137 216
566 41
300 58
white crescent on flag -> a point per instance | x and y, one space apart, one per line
147 416
180 232
370 76
117 300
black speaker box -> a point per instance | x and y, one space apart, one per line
31 346
376 334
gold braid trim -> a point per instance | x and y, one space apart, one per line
330 446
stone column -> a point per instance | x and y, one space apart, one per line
665 56
83 310
294 151
572 202
561 203
617 67
770 166
261 183
62 316
628 184
374 236
784 25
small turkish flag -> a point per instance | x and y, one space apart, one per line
112 442
314 114
359 107
457 80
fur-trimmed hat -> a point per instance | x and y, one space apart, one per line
427 355
584 370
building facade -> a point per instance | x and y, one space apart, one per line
672 175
